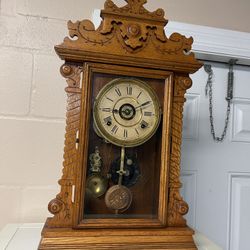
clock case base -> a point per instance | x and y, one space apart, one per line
154 239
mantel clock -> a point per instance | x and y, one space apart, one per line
120 187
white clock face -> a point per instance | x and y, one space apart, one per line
126 112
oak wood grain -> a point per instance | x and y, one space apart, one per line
168 238
130 42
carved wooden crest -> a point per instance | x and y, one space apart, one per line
129 31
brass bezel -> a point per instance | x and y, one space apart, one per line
101 131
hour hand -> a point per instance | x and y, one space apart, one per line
110 110
116 111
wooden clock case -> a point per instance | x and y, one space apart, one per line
130 42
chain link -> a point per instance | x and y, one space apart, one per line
209 93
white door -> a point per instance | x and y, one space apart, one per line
216 176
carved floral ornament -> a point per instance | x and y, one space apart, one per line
134 27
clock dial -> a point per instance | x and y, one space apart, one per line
126 112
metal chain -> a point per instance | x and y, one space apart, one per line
209 93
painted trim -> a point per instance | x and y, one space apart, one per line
192 123
215 44
191 177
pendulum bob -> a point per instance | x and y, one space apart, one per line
96 185
118 198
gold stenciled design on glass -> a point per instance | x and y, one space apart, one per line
127 112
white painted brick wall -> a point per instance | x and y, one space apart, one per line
48 87
11 206
31 151
32 105
34 203
55 9
58 9
15 78
32 33
8 7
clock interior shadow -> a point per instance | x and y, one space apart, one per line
145 190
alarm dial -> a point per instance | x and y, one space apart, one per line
126 112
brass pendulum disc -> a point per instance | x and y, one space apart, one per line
118 198
97 185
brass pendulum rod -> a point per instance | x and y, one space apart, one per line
121 171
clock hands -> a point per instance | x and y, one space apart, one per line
142 105
116 111
127 110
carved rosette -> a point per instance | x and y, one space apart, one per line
62 205
133 35
177 206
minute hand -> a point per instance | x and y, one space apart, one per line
142 105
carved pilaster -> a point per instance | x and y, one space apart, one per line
177 206
62 205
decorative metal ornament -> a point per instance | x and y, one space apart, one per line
95 161
96 184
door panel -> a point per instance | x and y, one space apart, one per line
218 194
239 216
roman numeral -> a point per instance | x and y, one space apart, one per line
114 129
146 113
109 99
129 90
136 130
108 120
139 95
144 124
106 109
125 133
118 92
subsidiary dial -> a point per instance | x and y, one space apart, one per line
126 112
